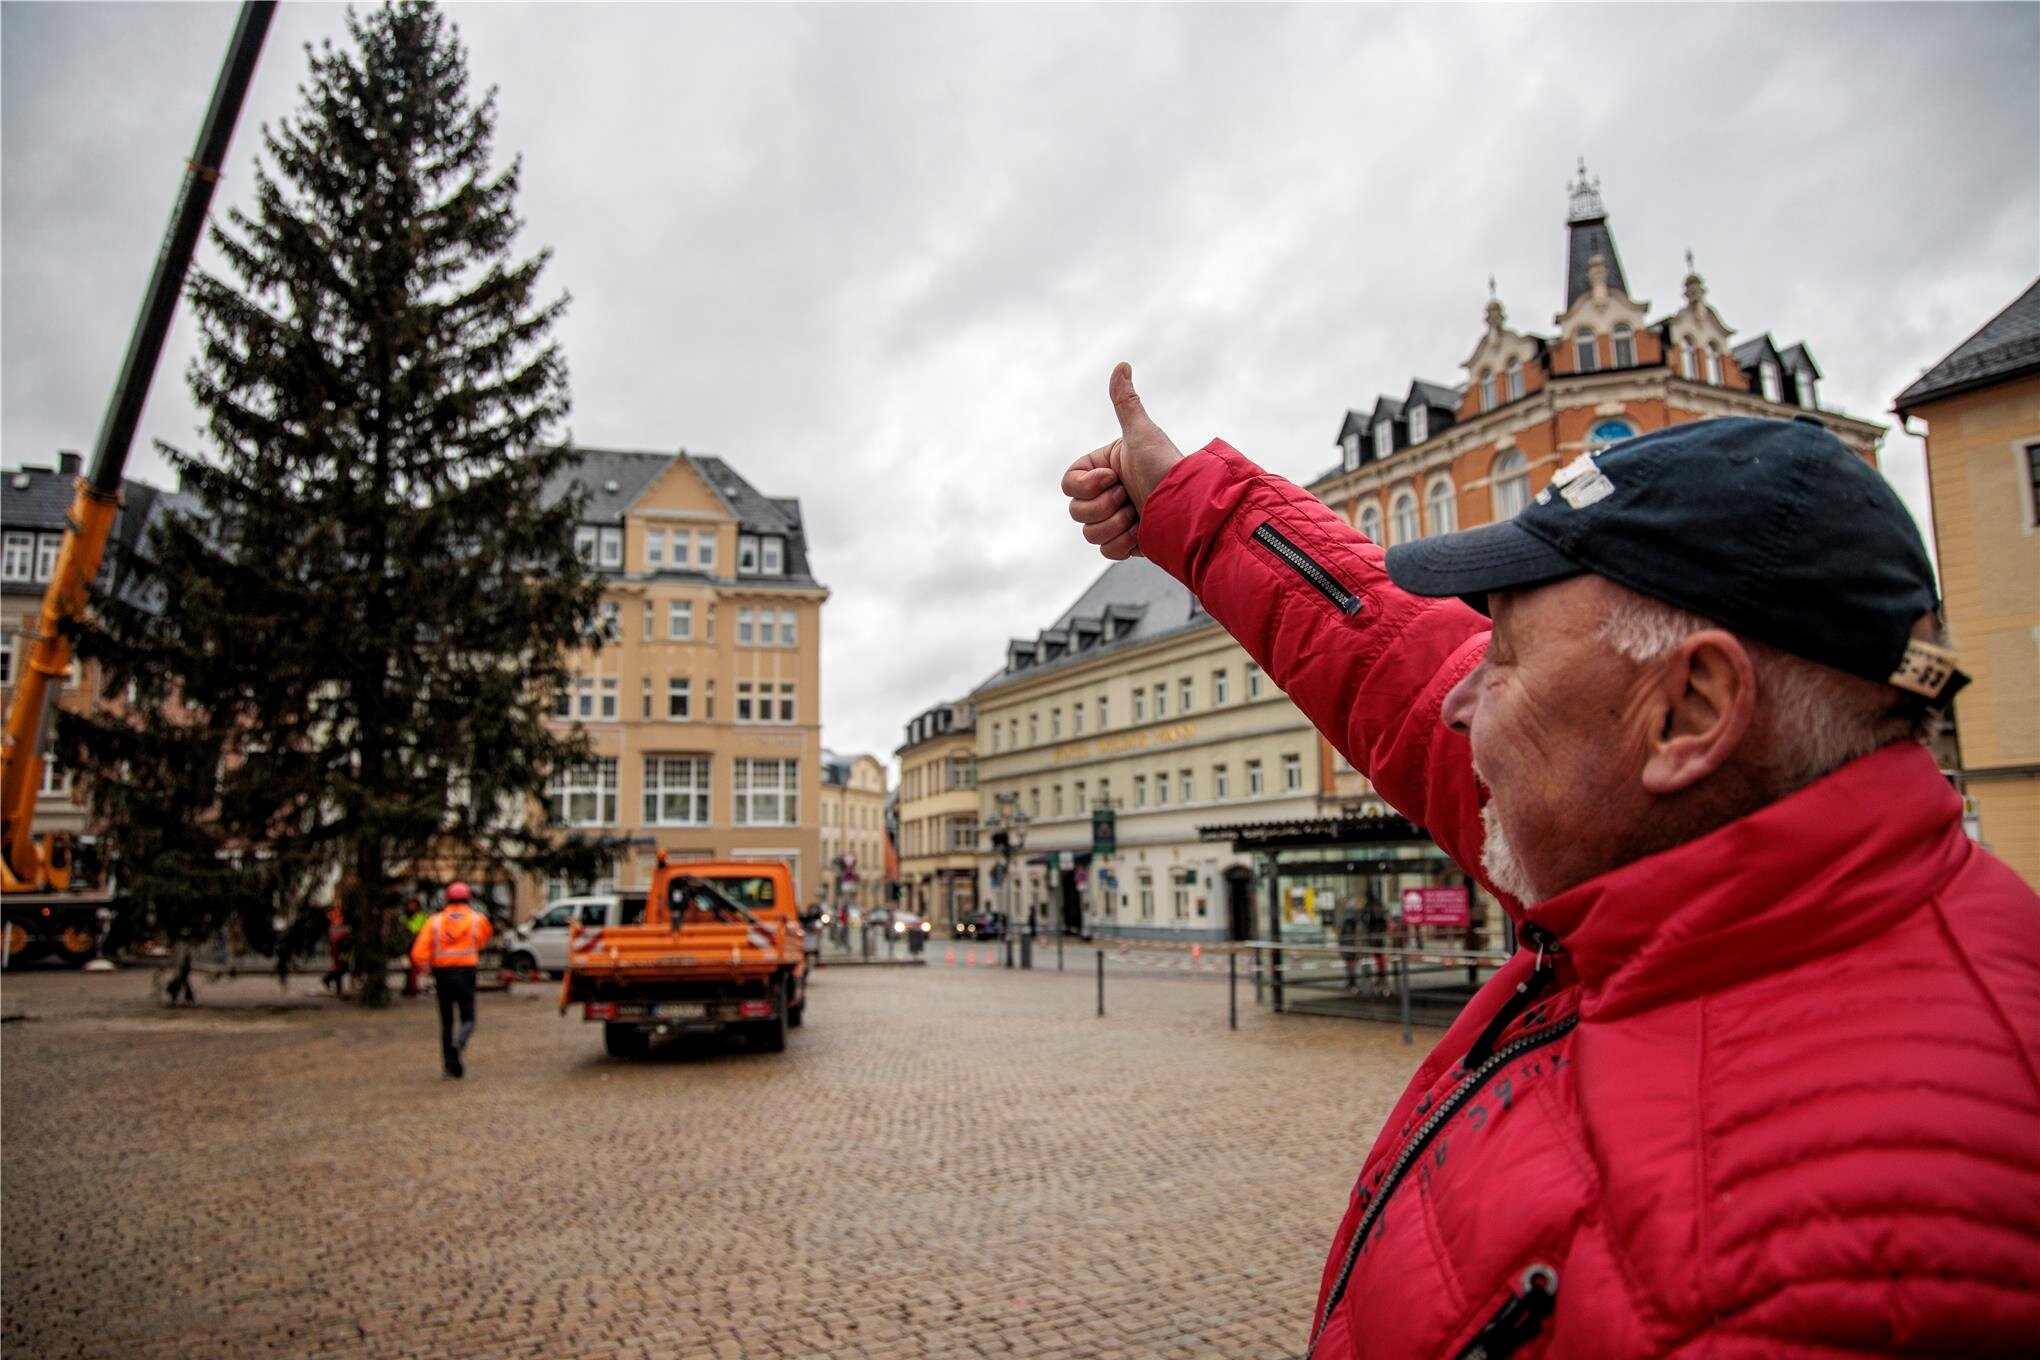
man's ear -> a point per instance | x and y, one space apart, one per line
1707 695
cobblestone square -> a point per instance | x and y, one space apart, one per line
945 1162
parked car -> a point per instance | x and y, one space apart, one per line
539 946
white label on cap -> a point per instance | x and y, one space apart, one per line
1926 669
1576 469
1582 482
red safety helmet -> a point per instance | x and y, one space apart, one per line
456 892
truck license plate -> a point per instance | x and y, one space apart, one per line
681 1011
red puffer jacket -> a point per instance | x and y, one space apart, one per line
1770 1093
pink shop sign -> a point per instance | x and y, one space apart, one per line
1434 906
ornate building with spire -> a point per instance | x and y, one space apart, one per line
1450 456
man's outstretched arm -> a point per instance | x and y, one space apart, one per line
1307 597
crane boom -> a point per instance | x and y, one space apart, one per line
29 866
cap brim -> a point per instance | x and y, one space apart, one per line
1472 562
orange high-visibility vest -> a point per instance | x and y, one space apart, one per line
453 938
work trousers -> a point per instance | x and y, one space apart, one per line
455 988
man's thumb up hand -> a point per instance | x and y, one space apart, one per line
1108 487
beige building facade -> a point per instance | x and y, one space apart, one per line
853 831
1981 408
938 816
701 697
1137 703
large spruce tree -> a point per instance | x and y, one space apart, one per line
341 658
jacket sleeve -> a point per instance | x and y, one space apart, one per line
1307 597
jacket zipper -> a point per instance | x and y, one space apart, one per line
1308 568
1520 1317
1407 1158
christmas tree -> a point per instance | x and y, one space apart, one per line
337 666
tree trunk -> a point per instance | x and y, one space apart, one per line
369 915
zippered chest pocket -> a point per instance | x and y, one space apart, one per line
1314 573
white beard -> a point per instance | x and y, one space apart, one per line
1498 860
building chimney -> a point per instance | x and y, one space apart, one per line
68 462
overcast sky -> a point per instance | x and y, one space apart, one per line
882 258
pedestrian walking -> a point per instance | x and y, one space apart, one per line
1761 1080
450 944
337 936
414 921
1348 922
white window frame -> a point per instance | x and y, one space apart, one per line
586 539
772 555
612 546
1221 683
746 631
704 551
788 635
7 659
1351 446
18 563
1186 784
1292 773
1713 364
679 540
1487 389
676 791
1255 784
1441 504
655 548
1510 478
1161 788
1404 523
609 621
1586 350
1104 712
1140 790
1771 381
747 710
47 549
595 782
747 554
1514 376
680 620
1140 703
779 799
679 698
1186 691
1384 437
1369 522
1221 783
1055 724
607 706
1161 700
789 703
1808 399
1625 346
1420 423
1688 359
1253 680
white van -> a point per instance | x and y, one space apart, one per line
540 944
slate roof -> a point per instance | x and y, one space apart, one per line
1136 590
39 499
1437 394
600 470
1585 239
2008 346
1796 357
1750 353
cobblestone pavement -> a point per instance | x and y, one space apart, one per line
945 1162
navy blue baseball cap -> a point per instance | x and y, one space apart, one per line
1774 529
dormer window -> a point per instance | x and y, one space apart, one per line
772 556
1515 377
1713 364
1585 353
1773 384
585 538
1351 444
1487 389
612 547
1625 348
747 554
1420 424
1384 438
1806 395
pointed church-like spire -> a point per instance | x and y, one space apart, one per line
1588 236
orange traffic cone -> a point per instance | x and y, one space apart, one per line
950 957
1196 952
970 958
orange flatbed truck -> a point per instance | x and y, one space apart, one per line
719 951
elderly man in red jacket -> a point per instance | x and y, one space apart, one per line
1764 1079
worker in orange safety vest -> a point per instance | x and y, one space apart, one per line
451 946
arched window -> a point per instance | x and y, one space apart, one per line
1515 373
1585 351
1420 424
1511 479
1403 518
1384 438
1351 443
1713 363
1806 394
1625 348
1687 349
1609 432
1444 513
1774 386
1487 389
1370 521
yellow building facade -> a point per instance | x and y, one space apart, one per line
701 697
1981 408
853 831
938 816
1135 701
